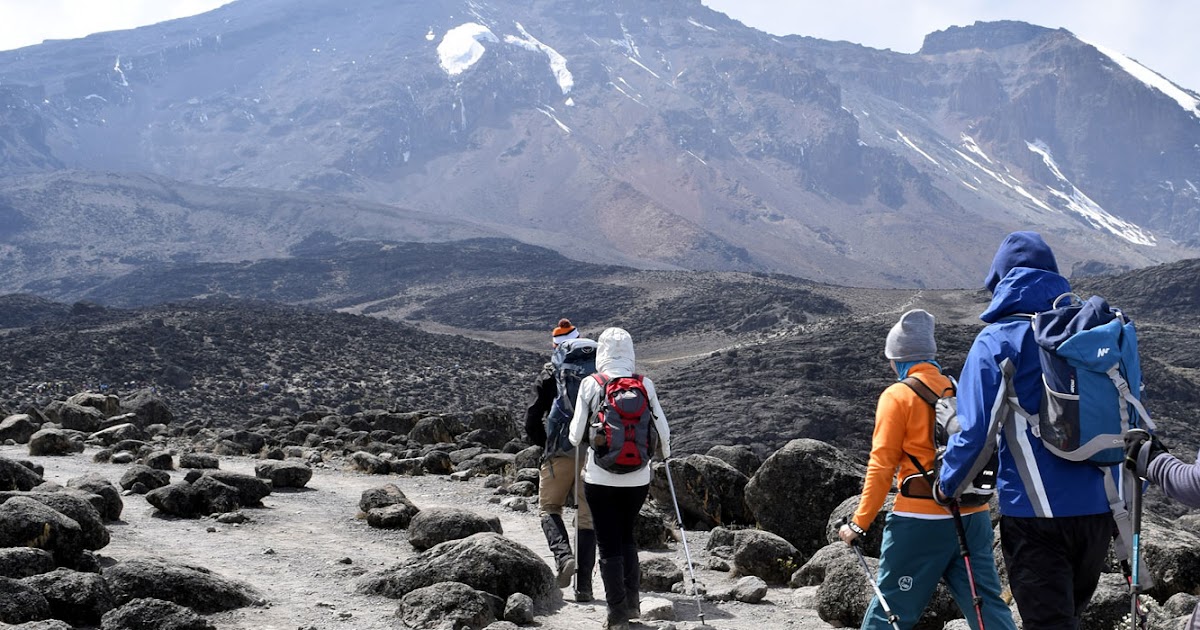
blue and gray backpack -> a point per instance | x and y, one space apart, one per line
573 361
1093 380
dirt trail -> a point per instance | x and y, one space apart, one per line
293 550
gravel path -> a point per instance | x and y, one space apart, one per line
305 549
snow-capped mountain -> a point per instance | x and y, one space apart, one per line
660 134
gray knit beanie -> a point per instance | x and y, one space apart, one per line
911 339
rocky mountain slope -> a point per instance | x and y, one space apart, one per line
660 134
741 358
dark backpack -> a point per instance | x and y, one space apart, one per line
945 424
573 361
1093 380
622 433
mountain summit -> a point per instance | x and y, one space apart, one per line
658 134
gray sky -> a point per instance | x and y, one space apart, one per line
1161 34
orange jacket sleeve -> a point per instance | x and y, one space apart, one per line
887 450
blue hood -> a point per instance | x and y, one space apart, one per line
1020 249
1024 290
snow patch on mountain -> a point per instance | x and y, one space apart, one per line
462 46
643 67
558 63
913 146
706 27
1152 79
551 116
969 144
1078 202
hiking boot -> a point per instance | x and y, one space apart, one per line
586 548
632 603
566 571
616 620
556 537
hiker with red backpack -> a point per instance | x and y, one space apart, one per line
547 420
1055 517
919 537
618 417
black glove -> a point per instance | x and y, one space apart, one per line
1141 448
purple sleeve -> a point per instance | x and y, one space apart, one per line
1178 480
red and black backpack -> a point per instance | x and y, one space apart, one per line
622 431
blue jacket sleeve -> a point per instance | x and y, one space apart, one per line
980 388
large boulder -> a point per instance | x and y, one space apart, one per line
659 573
203 497
1109 603
449 605
186 585
813 571
145 475
653 529
75 506
1173 557
740 456
112 505
146 613
252 490
710 492
386 507
77 598
79 418
433 526
25 522
22 562
487 562
16 476
431 430
794 491
148 408
400 423
765 555
119 433
369 463
284 474
107 404
53 442
18 428
20 602
382 496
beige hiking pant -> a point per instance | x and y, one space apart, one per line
556 477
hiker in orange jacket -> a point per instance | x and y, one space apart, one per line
920 544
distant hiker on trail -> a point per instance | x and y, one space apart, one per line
920 544
618 413
1150 460
547 420
1055 523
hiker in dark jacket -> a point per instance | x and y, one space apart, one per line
617 497
1178 480
1055 520
556 480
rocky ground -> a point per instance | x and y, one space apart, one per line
304 550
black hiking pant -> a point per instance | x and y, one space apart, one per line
614 515
1054 565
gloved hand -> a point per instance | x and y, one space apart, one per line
940 497
1141 448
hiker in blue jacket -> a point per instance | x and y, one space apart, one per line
1055 521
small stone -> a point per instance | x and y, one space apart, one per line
232 518
210 529
345 561
493 481
657 609
516 504
268 552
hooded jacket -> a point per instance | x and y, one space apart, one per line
614 357
1032 481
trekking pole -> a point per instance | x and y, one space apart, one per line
891 616
1137 616
683 534
965 552
575 491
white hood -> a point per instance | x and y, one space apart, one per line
615 354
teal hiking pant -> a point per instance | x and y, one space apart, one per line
917 553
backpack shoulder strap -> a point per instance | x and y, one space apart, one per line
601 378
921 389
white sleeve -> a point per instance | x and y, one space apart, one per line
660 419
585 404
